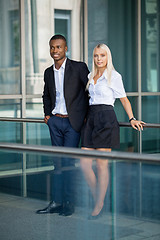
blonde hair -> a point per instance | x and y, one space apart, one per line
109 67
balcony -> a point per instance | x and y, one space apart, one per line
131 207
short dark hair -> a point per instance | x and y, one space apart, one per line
58 36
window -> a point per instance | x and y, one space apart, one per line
150 46
62 21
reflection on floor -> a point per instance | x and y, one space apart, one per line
18 221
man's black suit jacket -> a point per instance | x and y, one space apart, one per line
76 98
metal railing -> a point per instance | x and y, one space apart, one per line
77 152
40 120
71 152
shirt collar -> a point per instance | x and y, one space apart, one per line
103 76
62 66
99 79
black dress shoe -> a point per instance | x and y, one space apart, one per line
51 208
67 210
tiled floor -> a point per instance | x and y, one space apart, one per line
18 221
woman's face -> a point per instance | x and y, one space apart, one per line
100 58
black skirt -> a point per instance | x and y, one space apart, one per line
101 129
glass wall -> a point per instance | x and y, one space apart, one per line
9 47
37 134
62 21
150 111
131 207
150 46
10 108
129 139
37 36
34 108
116 23
113 22
150 73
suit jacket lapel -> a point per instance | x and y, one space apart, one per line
67 70
53 85
67 74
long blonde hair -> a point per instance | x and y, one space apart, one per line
109 67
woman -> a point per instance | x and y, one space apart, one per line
101 130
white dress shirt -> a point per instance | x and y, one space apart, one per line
60 106
104 92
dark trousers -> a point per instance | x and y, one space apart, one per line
62 134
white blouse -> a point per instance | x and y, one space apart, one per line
106 93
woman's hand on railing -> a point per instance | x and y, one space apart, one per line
136 124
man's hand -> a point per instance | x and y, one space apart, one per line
46 118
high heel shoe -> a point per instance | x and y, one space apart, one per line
91 217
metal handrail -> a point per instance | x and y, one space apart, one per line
40 120
77 152
29 120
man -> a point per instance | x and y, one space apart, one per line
65 106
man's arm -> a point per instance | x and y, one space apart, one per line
46 97
84 73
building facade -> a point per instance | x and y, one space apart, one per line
131 30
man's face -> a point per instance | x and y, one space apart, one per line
58 49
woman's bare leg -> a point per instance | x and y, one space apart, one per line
86 165
102 184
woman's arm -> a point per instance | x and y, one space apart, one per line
136 124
